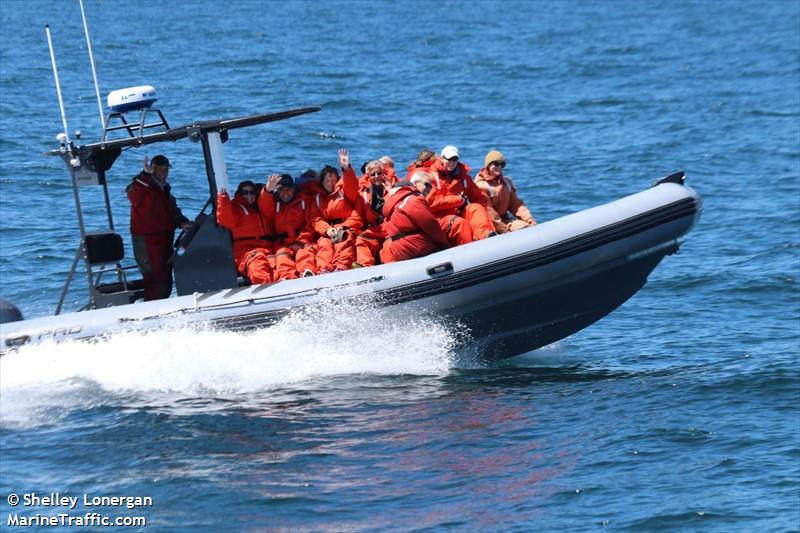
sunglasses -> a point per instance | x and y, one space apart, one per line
247 191
376 173
501 164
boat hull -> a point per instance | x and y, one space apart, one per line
512 293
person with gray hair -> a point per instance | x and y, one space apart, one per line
372 193
411 227
422 181
388 167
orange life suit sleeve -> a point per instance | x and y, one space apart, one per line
226 215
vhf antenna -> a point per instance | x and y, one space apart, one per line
66 140
94 72
99 108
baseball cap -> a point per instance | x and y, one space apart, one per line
286 181
449 152
161 160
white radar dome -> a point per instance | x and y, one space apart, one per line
132 98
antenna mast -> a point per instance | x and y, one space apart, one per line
94 71
58 85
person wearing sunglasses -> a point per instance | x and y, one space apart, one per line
388 167
457 201
155 216
251 233
280 203
371 196
508 211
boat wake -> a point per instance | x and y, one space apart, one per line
181 362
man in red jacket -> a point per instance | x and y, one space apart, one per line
154 217
411 228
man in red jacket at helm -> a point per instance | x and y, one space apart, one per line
154 218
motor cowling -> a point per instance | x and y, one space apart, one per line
9 312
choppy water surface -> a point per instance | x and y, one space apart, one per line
677 412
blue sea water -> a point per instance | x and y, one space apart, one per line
678 412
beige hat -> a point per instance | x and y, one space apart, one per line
493 156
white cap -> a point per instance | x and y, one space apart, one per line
449 152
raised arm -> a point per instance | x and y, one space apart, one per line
140 184
266 198
227 217
349 179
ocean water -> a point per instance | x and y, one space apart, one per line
678 412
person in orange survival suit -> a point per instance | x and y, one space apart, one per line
424 160
388 167
455 195
154 217
508 212
371 192
286 210
250 231
456 228
307 185
411 227
334 218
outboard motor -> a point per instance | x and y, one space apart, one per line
9 312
